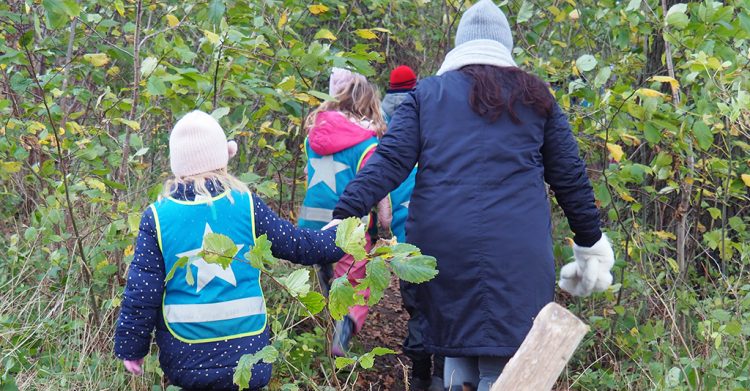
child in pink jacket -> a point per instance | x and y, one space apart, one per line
342 135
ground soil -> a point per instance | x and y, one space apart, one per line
385 326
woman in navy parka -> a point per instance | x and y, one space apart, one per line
486 136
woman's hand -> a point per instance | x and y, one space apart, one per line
590 272
134 366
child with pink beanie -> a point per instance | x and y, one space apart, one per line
204 327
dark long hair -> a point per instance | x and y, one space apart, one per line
496 90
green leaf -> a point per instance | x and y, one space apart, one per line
341 296
368 359
342 362
405 248
321 95
218 248
703 135
243 373
633 5
416 269
526 12
313 301
58 12
182 262
350 237
216 11
261 254
297 283
156 86
378 278
220 113
737 224
27 38
677 16
602 76
652 133
586 62
148 65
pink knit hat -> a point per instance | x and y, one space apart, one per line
340 78
197 144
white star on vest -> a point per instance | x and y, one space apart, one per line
208 271
405 204
325 171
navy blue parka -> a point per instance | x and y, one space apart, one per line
480 206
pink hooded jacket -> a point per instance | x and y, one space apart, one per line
334 132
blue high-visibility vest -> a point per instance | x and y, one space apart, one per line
400 206
327 177
221 303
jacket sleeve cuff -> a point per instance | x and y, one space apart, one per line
587 239
340 213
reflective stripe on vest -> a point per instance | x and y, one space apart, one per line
221 303
327 177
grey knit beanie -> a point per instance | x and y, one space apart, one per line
484 20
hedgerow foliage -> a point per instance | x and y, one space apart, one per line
657 93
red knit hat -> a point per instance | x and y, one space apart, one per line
403 78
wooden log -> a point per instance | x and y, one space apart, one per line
545 351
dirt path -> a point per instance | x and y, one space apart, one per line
386 327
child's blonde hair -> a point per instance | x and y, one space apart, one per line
359 100
219 179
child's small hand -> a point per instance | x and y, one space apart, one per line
332 224
134 366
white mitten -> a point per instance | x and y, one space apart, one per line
590 272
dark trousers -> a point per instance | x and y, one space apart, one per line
422 361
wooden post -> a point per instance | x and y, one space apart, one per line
545 351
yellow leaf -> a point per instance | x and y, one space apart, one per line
649 93
627 197
664 235
325 34
616 151
282 20
101 265
574 15
307 98
746 179
666 79
129 250
10 167
631 138
113 71
97 59
129 123
211 37
172 20
120 7
96 184
316 9
366 34
380 29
